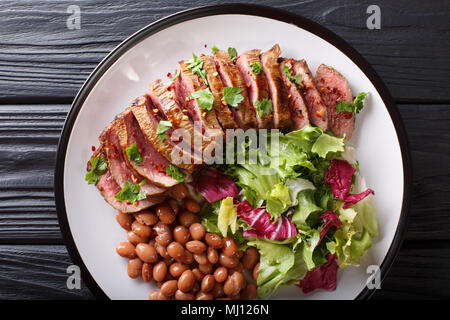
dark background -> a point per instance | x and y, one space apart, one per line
43 65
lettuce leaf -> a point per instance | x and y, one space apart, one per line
326 144
306 207
279 266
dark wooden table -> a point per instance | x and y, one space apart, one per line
43 64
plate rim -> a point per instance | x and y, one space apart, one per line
245 9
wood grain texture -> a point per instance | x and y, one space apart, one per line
36 272
29 136
42 60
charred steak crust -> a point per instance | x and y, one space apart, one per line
244 113
142 109
278 94
316 107
153 165
335 88
297 105
222 112
256 84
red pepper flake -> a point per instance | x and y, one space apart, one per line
93 148
319 113
206 46
169 75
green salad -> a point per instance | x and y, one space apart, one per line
301 202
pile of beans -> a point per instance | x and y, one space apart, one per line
171 247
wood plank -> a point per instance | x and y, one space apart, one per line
42 61
419 272
39 272
29 135
36 272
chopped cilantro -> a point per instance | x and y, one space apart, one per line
176 75
163 127
134 154
131 192
232 53
175 172
214 49
297 79
204 98
355 107
232 96
99 166
195 65
256 67
264 106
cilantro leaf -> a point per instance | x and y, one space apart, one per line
214 49
355 107
176 75
344 106
358 103
204 98
297 79
99 166
256 67
264 106
163 127
232 53
131 192
196 66
232 96
134 154
175 172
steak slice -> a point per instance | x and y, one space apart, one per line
153 164
187 83
280 101
244 114
299 111
335 88
118 166
223 113
316 107
148 121
256 84
163 100
108 188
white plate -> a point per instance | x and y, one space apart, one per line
88 222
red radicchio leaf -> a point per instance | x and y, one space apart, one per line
322 277
330 219
259 219
214 185
354 198
339 177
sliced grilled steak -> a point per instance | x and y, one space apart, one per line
153 165
118 166
299 111
316 107
108 188
335 88
186 84
244 113
278 94
256 84
164 101
148 121
223 113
